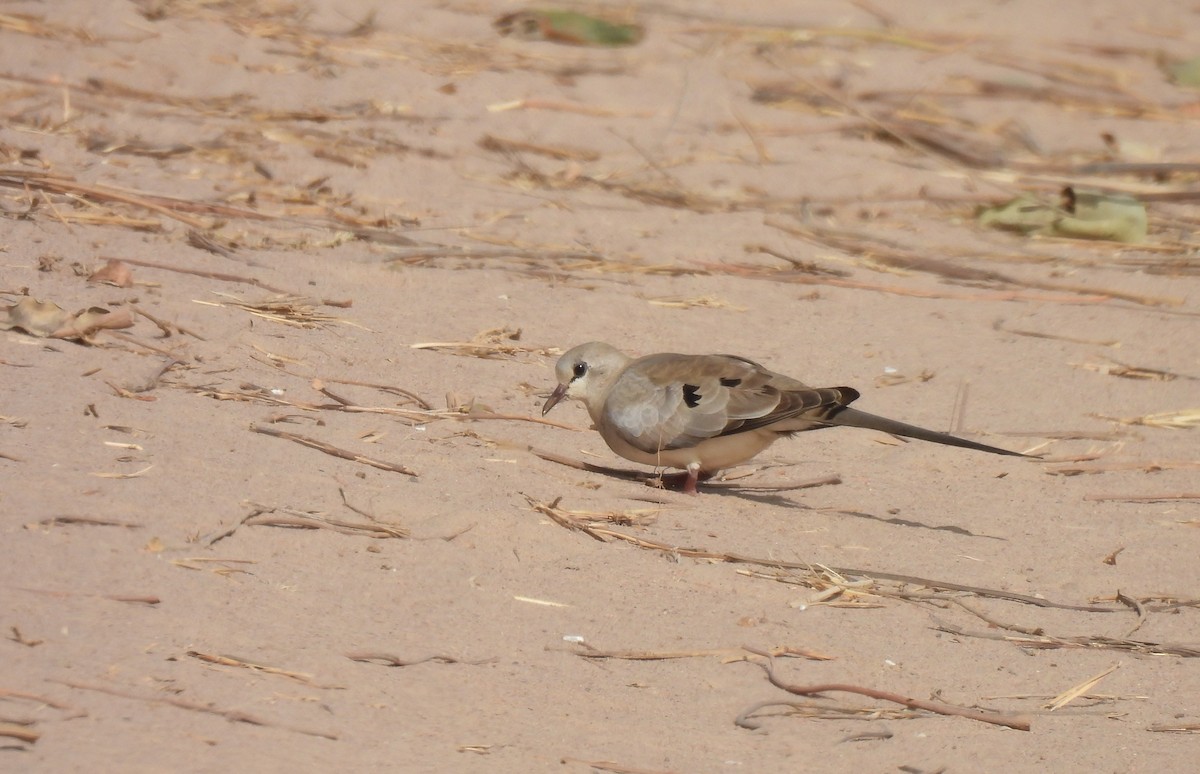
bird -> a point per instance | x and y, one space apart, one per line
704 413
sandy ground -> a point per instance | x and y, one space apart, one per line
306 191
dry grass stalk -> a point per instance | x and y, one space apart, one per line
697 302
334 451
727 655
1155 466
1175 420
232 661
279 516
489 344
1073 693
1049 642
387 659
560 152
89 521
1175 728
234 716
1149 498
1115 368
832 589
296 311
817 709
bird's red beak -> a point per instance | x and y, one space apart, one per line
559 393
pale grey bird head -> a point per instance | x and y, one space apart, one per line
585 373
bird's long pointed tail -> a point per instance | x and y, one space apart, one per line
854 418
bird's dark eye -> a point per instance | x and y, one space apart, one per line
579 370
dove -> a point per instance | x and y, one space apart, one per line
703 413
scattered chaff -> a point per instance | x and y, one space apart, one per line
296 311
832 589
234 716
582 520
1017 722
388 660
1073 693
893 255
1049 642
605 534
278 516
492 343
334 451
727 655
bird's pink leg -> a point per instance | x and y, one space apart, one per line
685 482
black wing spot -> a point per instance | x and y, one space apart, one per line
691 395
730 382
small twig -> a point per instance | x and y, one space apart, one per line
234 661
1017 722
19 732
90 521
334 451
1138 608
1031 630
213 275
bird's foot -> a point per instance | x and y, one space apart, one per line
684 482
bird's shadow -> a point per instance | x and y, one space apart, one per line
764 495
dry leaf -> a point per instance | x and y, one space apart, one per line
115 273
45 319
1081 215
37 318
86 323
568 27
